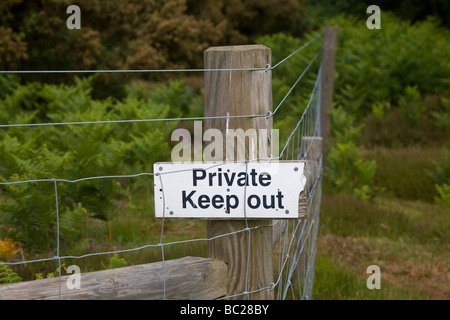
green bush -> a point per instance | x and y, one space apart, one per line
443 199
346 172
378 66
441 173
382 81
442 117
411 105
116 262
132 35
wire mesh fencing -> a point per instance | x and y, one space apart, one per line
294 240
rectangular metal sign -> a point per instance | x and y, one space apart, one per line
230 190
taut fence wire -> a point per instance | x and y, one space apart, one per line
295 247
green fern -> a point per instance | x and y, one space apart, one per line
116 262
72 152
7 275
347 173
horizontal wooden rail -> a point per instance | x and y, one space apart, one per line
190 278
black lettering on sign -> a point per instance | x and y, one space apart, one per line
188 199
243 179
205 178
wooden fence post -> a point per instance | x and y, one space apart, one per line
240 93
326 99
311 150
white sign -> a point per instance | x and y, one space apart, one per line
230 190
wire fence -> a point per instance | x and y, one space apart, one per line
296 238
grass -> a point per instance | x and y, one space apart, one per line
405 173
411 221
336 281
402 231
393 131
131 225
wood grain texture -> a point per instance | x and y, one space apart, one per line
240 93
190 278
311 150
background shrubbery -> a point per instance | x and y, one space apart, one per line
144 34
391 90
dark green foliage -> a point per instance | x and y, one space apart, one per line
411 10
384 84
286 74
441 172
116 262
347 172
399 64
441 177
386 81
126 34
442 117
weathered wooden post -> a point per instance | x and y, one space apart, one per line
311 151
237 93
185 278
